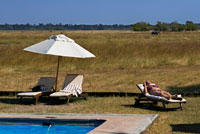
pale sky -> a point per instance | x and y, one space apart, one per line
98 11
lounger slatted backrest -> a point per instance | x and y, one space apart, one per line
47 82
76 79
141 87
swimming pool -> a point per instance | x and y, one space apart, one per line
47 126
104 123
37 129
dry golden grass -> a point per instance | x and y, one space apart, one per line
123 59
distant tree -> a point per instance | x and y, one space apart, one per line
100 27
161 26
175 26
181 27
49 26
190 26
8 26
141 26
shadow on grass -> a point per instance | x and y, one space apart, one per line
187 90
152 107
60 101
25 101
31 100
9 100
186 128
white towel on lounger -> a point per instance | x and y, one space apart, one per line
73 89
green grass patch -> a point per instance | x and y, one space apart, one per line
172 120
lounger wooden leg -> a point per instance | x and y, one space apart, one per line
181 106
137 100
51 100
163 105
84 96
68 98
36 100
20 99
155 102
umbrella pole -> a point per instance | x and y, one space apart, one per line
59 57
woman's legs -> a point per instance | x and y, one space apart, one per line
163 94
166 95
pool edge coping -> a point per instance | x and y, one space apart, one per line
143 121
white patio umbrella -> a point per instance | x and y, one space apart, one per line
60 45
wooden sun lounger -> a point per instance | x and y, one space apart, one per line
155 99
75 79
46 81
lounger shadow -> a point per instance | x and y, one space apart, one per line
155 99
71 79
48 82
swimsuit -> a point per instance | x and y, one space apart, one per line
149 88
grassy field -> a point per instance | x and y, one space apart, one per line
123 59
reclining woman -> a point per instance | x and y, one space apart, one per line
155 90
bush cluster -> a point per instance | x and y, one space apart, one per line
162 26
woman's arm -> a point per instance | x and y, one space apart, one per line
145 88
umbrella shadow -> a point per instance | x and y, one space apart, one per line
186 128
185 90
151 106
61 101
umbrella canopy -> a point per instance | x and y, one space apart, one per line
60 45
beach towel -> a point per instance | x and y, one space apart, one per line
73 89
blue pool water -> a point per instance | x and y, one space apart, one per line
37 129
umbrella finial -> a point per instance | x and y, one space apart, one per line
61 37
53 37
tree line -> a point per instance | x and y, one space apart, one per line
63 27
162 26
139 26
